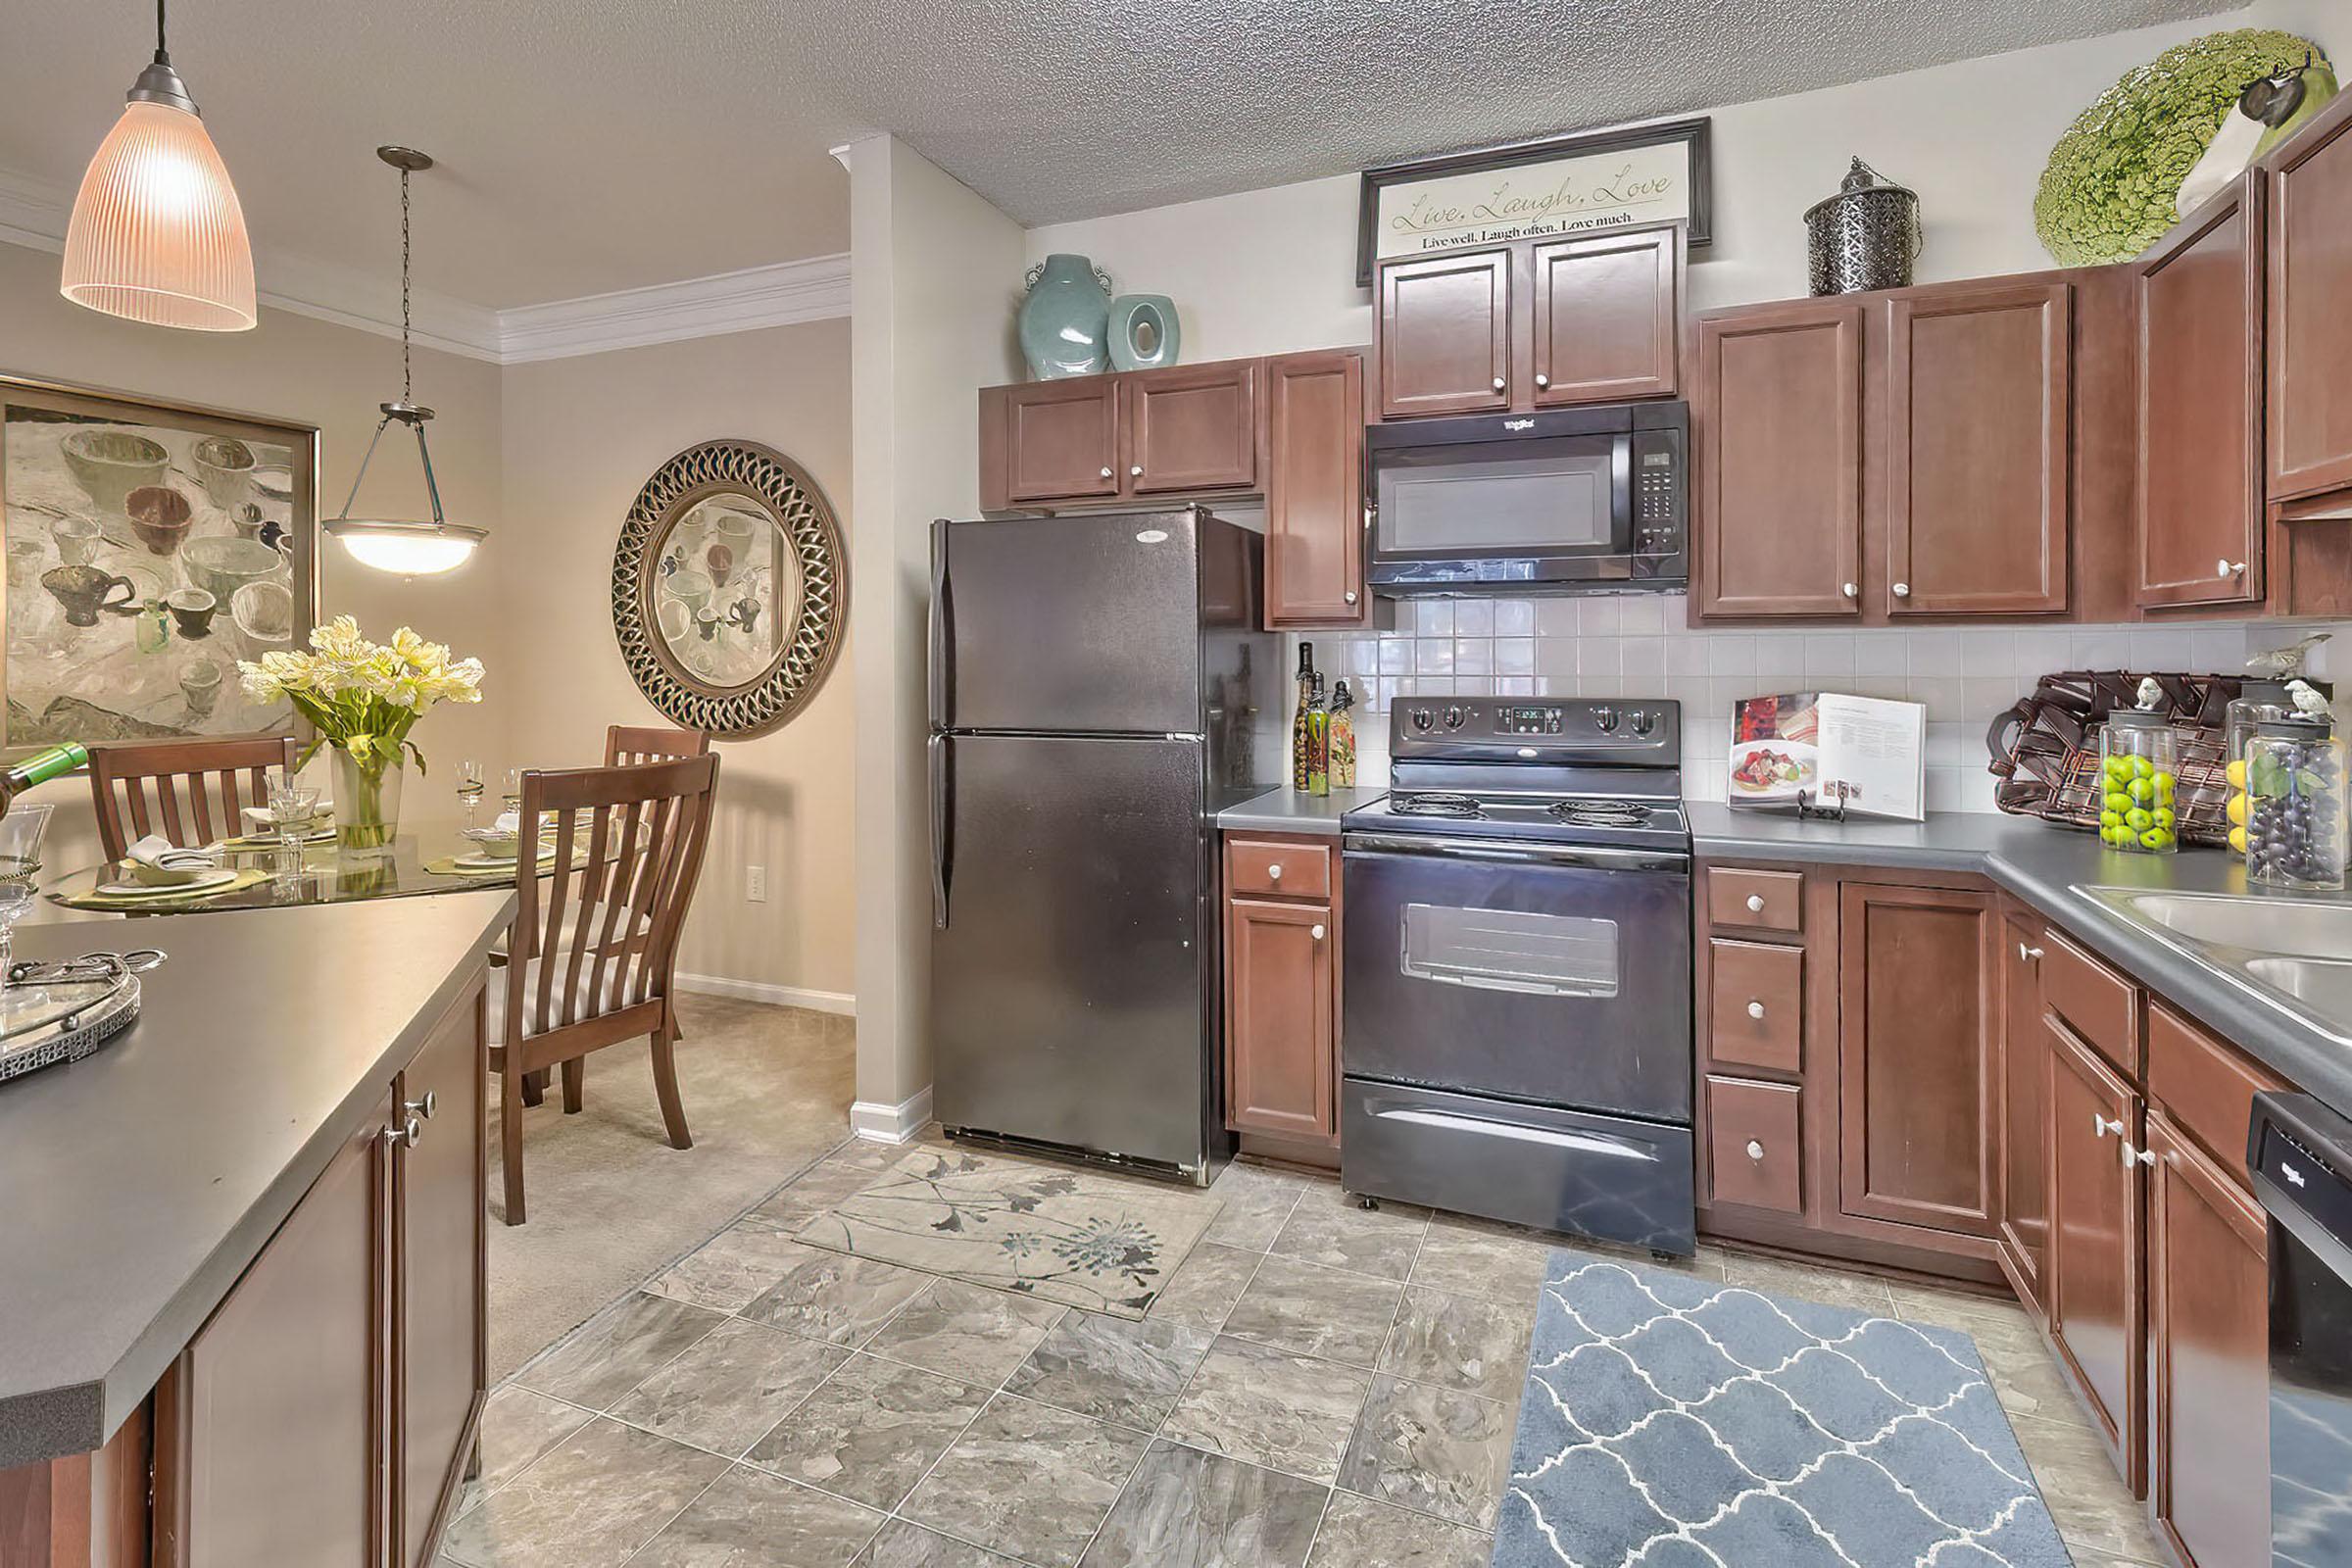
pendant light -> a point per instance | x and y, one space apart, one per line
157 234
411 549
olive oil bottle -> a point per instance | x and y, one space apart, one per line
1299 724
1340 742
1318 739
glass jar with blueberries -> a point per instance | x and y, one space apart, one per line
2295 825
2140 760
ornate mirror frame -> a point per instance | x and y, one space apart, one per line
772 485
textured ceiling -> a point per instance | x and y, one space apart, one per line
591 145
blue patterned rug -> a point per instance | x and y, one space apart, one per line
1683 1423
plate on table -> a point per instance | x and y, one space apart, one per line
170 890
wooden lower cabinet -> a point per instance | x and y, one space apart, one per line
2021 1102
2097 1309
1282 991
2209 1470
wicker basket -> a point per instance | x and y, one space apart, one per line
2045 750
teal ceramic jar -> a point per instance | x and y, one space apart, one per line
1065 321
1144 333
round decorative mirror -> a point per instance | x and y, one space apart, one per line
730 588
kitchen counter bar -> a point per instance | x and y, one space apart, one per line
2041 864
140 1182
1288 810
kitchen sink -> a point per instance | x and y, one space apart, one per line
2289 927
2321 984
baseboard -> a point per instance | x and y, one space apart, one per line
878 1123
719 985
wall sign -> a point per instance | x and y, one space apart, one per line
1561 186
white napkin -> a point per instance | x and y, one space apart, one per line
159 852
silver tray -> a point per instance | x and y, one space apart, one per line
62 1012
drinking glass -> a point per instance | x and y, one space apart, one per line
21 834
515 789
293 808
470 788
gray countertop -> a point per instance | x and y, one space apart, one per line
2041 866
142 1181
1288 810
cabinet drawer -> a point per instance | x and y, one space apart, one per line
2206 1088
2097 1003
1259 868
1753 1157
1764 901
1757 1012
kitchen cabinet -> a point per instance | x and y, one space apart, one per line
2096 1300
1978 405
1282 979
1444 334
2198 498
1607 313
2021 1101
1777 425
2309 338
1190 428
1315 491
1053 440
1918 969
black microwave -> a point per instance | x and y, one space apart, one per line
1564 501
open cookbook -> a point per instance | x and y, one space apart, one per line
1827 752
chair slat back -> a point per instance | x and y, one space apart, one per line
627 745
628 844
191 792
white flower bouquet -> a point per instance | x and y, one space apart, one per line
362 697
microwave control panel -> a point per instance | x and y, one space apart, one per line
1657 484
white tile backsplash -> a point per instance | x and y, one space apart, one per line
1640 645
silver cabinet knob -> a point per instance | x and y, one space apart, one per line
2100 1126
2230 568
1755 903
1315 931
1756 1010
2031 955
1136 471
1902 590
2137 1156
1498 383
1756 1150
1274 872
1350 595
406 1134
1105 473
1853 590
423 1108
1542 380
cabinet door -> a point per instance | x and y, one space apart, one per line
439 1345
1916 1021
2094 1295
270 1429
1445 335
2199 497
2023 1103
1315 491
1281 1045
1978 450
2310 337
1780 460
2209 1421
1191 427
1608 317
1061 439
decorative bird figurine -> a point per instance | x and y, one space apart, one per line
2151 694
2285 664
2309 704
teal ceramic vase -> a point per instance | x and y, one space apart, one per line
1144 332
1065 321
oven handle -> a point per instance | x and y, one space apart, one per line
1593 855
1485 1127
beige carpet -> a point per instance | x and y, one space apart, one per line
767 1091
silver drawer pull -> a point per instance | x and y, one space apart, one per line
1756 1010
2031 955
406 1134
1755 903
1315 931
1274 872
2101 1126
423 1108
2137 1156
2228 567
1756 1150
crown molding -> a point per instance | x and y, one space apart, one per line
33 215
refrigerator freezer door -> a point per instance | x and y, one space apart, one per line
1068 624
1067 989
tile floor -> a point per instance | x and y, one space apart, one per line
1318 1384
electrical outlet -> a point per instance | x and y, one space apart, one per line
755 883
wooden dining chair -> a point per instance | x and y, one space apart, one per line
594 944
192 792
627 745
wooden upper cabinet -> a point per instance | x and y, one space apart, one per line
1316 490
2094 1295
1191 427
1978 468
1445 335
1607 316
1778 529
2310 336
2022 1094
1060 439
2199 503
2209 1427
1915 1026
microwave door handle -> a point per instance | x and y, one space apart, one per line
1621 495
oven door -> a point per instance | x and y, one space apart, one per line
1531 511
1554 975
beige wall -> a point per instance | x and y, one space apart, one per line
581 436
313 372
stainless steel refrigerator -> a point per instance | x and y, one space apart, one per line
1100 690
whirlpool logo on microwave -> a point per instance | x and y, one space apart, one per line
1518 424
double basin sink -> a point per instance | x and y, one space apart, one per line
2296 949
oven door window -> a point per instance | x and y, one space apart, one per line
1566 495
1511 950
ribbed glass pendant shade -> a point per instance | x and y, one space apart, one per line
156 234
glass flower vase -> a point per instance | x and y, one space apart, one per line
366 798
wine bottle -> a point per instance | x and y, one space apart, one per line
40 769
1306 673
1318 739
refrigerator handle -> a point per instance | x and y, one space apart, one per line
941 627
939 831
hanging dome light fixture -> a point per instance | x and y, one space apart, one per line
410 548
156 234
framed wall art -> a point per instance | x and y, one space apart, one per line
730 589
150 546
1592 179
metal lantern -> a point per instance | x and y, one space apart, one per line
1864 237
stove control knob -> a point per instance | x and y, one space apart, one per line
1606 717
1423 719
1644 721
1454 717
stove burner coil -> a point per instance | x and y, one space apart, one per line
1613 813
1461 807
